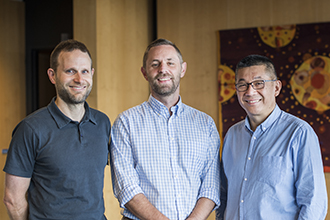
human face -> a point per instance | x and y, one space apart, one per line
258 104
163 71
74 77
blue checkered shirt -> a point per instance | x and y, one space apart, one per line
172 159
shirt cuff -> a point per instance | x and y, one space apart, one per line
128 193
211 194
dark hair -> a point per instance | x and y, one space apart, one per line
66 46
160 42
256 60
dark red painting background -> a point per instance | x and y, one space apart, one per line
310 40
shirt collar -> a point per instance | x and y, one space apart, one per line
269 120
161 109
62 120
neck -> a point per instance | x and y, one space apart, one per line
73 111
254 123
257 119
168 101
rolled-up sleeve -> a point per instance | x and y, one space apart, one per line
125 180
210 187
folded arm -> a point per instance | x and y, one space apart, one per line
15 196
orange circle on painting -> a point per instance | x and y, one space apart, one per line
226 81
317 81
277 36
310 83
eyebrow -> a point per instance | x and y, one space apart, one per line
157 60
255 78
75 69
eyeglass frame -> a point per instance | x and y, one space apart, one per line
251 83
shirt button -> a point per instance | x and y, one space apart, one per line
245 179
242 201
249 158
254 137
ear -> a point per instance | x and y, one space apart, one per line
51 75
144 73
93 71
183 69
278 87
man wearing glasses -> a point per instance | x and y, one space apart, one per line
271 161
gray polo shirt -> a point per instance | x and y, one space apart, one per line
65 161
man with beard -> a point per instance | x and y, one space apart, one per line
58 154
164 154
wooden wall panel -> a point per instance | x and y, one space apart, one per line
117 33
12 78
193 28
84 30
192 25
124 31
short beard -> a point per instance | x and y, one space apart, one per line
69 98
163 91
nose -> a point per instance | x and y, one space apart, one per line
162 67
250 90
78 77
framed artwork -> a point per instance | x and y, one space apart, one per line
301 55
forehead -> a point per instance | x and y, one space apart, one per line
75 57
252 72
162 52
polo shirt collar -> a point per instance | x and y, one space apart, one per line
62 120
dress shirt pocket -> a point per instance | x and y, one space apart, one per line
271 169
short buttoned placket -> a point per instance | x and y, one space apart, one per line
80 131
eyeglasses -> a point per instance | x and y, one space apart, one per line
256 85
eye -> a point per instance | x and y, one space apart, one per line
170 63
258 83
154 64
70 71
241 85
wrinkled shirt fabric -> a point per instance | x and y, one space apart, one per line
275 172
173 159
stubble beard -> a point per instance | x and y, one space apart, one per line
69 98
164 90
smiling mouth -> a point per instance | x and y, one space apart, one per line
164 79
78 87
253 101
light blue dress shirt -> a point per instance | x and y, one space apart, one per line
275 172
172 159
